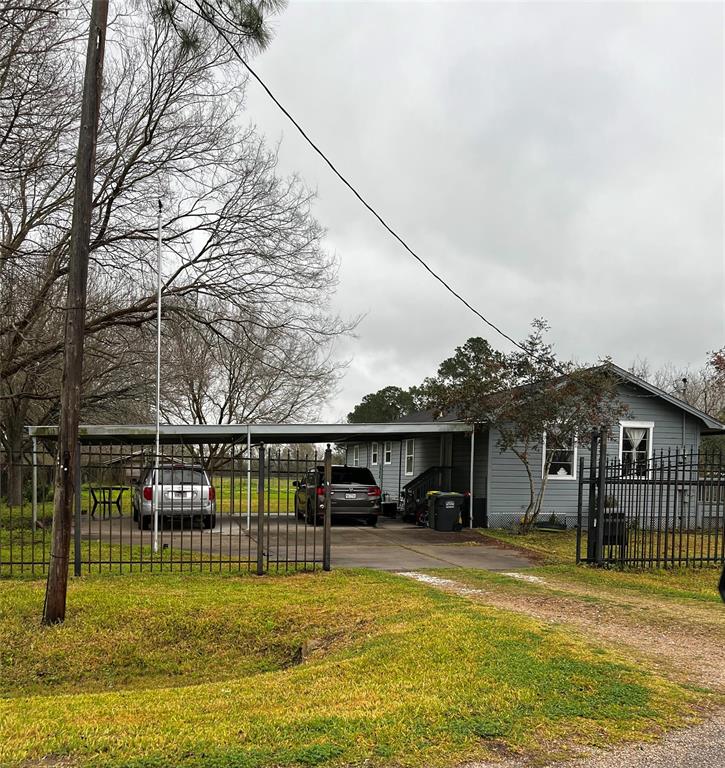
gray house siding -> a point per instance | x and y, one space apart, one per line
430 451
508 482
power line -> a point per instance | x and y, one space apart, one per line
349 185
208 14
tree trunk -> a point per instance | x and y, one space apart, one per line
55 596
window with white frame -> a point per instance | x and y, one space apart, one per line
561 459
409 456
356 455
635 447
374 454
388 452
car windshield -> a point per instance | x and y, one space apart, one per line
352 476
181 476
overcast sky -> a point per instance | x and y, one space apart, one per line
558 160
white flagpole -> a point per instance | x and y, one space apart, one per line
158 382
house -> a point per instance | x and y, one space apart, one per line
472 461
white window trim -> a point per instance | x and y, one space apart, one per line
356 455
410 441
543 461
650 425
374 454
387 460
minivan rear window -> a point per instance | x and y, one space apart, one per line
352 475
181 476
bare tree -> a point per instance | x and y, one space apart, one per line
233 373
171 127
702 387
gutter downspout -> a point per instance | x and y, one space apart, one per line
473 449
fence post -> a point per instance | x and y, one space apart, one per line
601 492
591 505
327 529
77 530
260 513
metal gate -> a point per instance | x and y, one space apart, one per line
663 511
194 507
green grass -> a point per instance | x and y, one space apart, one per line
556 553
686 583
193 670
231 497
547 546
30 554
559 547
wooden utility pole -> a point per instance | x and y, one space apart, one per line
65 476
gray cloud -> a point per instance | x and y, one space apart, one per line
563 160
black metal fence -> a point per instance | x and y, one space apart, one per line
205 507
663 511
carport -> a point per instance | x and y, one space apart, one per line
250 460
251 435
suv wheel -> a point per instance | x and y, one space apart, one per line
210 521
372 520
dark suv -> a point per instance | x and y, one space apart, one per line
353 493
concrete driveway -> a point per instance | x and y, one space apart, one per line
397 546
391 546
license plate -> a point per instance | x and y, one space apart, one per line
350 495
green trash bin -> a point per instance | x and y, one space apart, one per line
444 511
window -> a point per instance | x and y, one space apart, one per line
635 447
388 452
181 476
563 460
409 456
356 455
352 476
374 454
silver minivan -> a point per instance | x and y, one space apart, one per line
184 491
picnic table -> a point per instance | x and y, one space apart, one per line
106 497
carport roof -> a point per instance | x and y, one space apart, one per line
259 433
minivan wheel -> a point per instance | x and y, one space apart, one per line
210 521
372 520
135 515
144 522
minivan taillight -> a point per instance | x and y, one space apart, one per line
148 493
212 493
374 491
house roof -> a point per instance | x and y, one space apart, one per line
712 425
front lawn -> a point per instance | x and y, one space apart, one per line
559 547
306 669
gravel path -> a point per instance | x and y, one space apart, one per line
700 746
